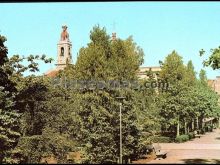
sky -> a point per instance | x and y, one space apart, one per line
157 27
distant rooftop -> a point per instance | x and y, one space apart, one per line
150 67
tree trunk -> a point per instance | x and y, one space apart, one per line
193 125
219 122
202 123
178 127
185 126
197 123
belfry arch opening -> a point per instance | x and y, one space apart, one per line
61 51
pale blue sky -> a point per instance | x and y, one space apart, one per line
157 27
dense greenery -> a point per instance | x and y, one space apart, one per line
11 84
214 58
182 138
104 59
188 101
39 120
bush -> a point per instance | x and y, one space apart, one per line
161 139
182 138
171 134
209 128
191 135
203 130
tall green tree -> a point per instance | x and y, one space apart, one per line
188 100
9 123
103 59
190 73
203 77
173 107
173 69
11 84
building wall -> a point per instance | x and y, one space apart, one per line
142 73
215 84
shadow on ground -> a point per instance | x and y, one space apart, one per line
201 161
218 138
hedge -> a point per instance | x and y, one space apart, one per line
182 138
191 135
161 139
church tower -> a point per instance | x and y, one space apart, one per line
64 49
113 36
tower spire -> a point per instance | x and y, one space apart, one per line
113 33
113 36
64 48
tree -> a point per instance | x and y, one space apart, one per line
11 84
207 104
190 73
172 107
49 122
213 60
172 69
203 77
179 104
9 124
187 98
106 60
147 107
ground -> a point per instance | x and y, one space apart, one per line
199 150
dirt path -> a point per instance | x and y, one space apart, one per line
200 150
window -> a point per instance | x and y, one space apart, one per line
62 51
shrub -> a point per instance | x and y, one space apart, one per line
191 135
169 134
182 138
209 128
203 130
161 139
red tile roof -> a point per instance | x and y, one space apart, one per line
52 73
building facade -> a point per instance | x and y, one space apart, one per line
215 84
142 73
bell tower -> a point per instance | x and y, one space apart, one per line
64 49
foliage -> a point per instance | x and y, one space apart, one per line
190 74
48 116
11 84
214 58
161 139
50 143
172 69
173 102
191 135
146 107
187 98
203 77
104 59
9 123
98 111
182 138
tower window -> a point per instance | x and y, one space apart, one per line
62 51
